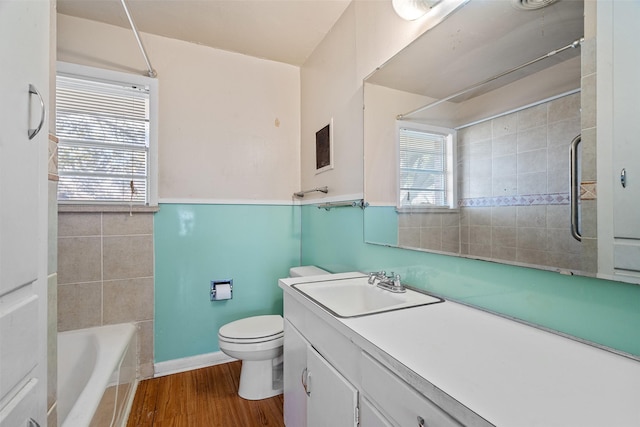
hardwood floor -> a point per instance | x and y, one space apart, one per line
202 398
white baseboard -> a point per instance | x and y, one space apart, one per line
189 363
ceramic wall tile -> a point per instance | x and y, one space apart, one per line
121 224
532 139
79 259
567 107
79 306
505 125
127 257
105 271
588 101
79 224
128 300
532 117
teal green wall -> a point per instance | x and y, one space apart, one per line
254 245
381 224
600 311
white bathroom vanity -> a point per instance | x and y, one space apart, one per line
444 364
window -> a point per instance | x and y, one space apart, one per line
105 124
426 167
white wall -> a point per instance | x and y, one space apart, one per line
229 123
366 36
382 105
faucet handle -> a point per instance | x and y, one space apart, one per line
376 275
372 277
396 280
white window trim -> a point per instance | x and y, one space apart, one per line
120 77
452 159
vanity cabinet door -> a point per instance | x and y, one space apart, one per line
295 365
331 400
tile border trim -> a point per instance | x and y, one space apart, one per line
516 200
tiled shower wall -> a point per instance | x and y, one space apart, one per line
105 274
514 181
433 231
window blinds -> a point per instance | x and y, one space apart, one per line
423 174
103 133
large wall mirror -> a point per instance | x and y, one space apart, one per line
468 134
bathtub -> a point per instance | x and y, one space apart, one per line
96 375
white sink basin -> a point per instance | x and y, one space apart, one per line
356 297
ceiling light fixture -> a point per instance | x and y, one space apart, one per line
531 4
411 10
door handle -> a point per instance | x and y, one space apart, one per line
575 190
32 423
623 177
32 132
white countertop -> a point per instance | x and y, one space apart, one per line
509 373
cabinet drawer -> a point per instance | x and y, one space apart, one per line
399 401
626 255
21 407
370 416
18 341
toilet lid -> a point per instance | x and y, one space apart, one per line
253 327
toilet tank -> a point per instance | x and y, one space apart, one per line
306 270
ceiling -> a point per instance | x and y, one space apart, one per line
481 40
280 30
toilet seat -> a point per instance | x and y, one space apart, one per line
253 330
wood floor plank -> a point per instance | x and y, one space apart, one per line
206 397
138 399
144 404
171 398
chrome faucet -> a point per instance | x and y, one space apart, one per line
390 282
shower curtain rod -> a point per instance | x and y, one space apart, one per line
497 76
151 73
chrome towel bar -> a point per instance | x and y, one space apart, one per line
324 190
354 204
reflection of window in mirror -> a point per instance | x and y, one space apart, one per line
427 176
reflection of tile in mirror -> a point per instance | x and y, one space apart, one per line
532 117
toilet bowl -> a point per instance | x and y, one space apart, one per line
258 341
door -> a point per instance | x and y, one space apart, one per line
626 123
626 136
331 400
24 81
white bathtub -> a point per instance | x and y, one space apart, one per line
96 375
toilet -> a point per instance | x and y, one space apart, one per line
258 341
